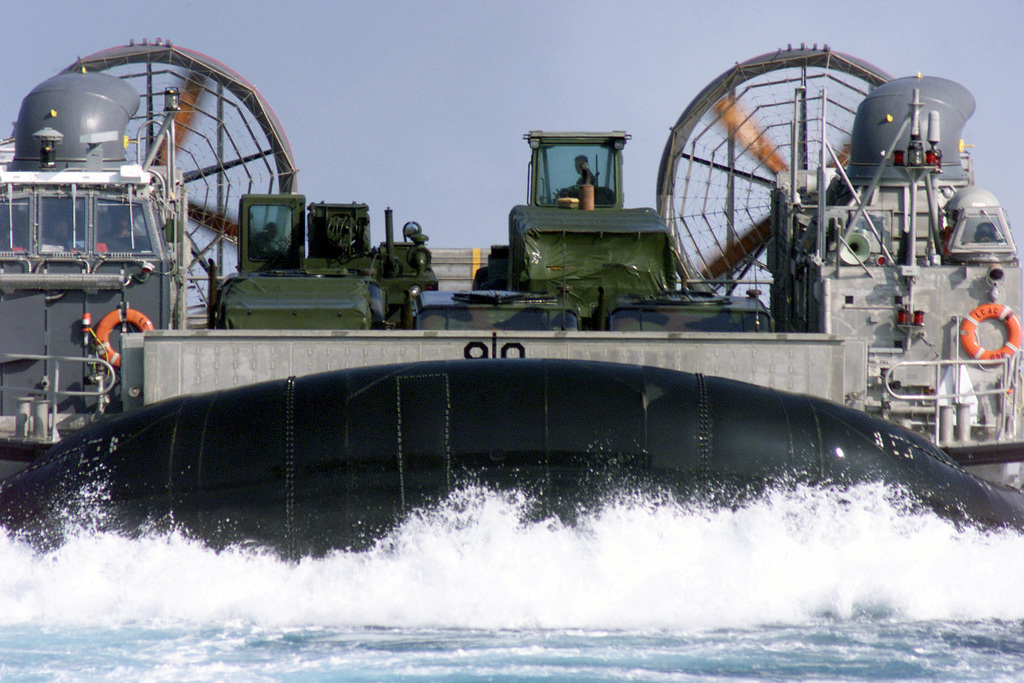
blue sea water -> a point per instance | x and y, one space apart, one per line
805 585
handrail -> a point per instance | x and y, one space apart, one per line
50 392
1007 391
941 364
60 281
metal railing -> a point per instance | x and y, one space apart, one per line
36 417
953 408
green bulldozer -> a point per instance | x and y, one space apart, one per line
614 268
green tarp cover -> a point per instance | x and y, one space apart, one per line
283 302
625 251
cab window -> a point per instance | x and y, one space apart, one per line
562 169
982 230
121 227
14 225
981 234
62 225
270 232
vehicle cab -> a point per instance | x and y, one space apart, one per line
563 163
574 239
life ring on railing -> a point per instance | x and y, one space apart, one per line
969 332
136 319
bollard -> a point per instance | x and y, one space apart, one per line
23 420
963 422
40 418
946 424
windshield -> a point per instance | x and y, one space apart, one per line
981 234
270 232
61 228
561 169
77 223
121 227
14 225
981 228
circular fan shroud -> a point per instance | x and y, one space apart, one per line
735 142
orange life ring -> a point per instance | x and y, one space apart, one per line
969 332
134 318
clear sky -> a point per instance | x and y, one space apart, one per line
421 106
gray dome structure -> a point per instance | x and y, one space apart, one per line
87 111
882 113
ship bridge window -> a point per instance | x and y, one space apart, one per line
980 234
72 224
121 227
982 230
62 224
14 225
563 168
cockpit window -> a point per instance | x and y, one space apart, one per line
562 169
14 225
121 227
62 225
981 230
74 224
980 234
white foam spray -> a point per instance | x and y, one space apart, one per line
474 563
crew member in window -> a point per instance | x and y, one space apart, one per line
986 233
269 244
58 237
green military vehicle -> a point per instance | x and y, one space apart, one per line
576 260
613 267
314 268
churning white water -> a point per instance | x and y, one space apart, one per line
805 583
